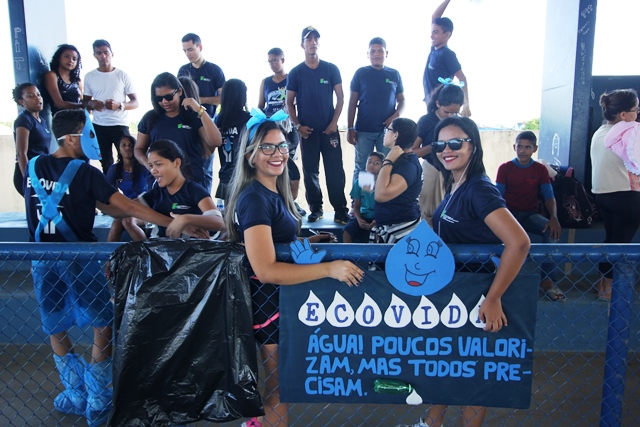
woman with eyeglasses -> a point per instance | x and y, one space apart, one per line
231 121
30 132
63 82
614 179
261 213
445 101
473 212
398 185
179 119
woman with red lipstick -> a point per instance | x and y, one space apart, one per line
473 212
63 83
261 213
30 132
179 119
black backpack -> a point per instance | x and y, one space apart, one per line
576 208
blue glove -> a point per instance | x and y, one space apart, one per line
303 254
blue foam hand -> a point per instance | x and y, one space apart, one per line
496 261
303 254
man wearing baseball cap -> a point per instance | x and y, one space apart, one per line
310 89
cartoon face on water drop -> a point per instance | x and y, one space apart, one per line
420 263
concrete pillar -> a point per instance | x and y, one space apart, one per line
566 83
37 28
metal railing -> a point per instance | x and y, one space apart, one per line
586 366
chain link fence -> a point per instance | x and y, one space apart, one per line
586 367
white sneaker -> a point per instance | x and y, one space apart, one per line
420 423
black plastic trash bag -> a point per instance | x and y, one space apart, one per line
184 346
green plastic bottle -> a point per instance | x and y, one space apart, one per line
391 387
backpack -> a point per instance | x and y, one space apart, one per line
576 208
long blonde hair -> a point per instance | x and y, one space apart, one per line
245 173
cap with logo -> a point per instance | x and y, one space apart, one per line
309 30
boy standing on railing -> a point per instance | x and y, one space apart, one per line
442 61
61 194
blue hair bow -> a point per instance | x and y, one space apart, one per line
258 117
450 82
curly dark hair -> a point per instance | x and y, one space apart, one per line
17 91
74 75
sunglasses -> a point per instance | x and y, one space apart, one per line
168 97
455 144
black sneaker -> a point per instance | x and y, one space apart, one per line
341 218
314 216
301 211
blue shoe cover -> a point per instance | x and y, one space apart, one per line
97 379
73 400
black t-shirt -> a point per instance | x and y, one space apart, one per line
39 135
460 217
314 93
426 127
183 130
209 78
228 151
404 207
258 205
77 205
441 63
184 201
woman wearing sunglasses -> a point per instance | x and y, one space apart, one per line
261 213
398 184
182 120
473 212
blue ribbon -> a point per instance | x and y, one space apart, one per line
258 117
450 82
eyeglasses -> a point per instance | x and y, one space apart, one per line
270 149
388 129
168 97
635 110
274 60
455 144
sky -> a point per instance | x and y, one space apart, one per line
499 44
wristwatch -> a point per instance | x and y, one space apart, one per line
122 106
297 126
